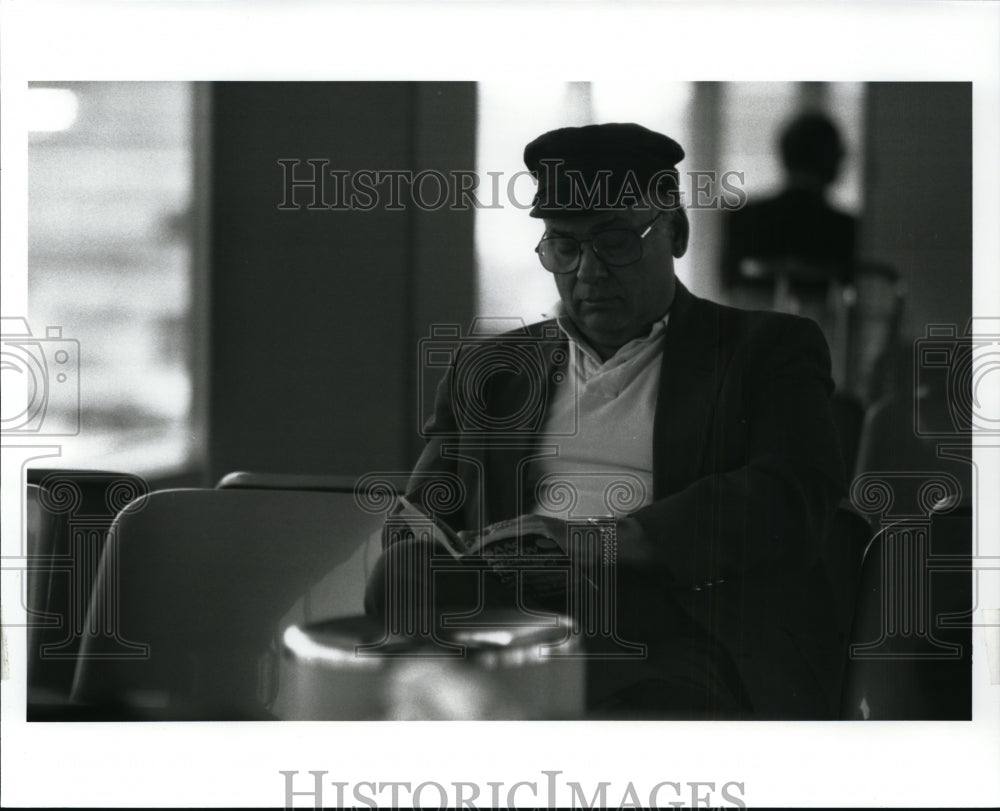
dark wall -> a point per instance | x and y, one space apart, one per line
918 194
315 314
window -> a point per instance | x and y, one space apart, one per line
110 263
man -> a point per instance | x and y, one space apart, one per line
718 418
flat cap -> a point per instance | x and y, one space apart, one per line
599 166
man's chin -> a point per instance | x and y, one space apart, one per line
604 321
602 330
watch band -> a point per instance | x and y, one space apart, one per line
608 527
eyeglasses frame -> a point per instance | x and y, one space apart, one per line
642 234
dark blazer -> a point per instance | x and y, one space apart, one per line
746 473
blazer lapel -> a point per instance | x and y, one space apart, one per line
690 375
543 356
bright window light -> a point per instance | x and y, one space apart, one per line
51 109
110 247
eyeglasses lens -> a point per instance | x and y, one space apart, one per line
615 247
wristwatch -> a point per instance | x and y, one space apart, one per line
608 527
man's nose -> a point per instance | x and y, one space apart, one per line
591 265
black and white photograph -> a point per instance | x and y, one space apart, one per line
355 407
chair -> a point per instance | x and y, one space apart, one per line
842 552
196 587
872 328
246 480
41 529
849 417
345 483
890 443
910 656
68 515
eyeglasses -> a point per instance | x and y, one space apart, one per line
615 247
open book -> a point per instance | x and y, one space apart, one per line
500 542
499 538
410 521
496 538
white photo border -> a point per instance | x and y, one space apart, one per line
230 764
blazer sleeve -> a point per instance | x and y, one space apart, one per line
434 485
766 514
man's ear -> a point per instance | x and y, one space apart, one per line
679 232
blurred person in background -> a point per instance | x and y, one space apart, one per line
794 239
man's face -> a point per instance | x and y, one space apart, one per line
613 305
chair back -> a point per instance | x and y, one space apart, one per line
849 417
68 515
382 482
910 656
843 552
249 480
41 529
873 328
196 588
